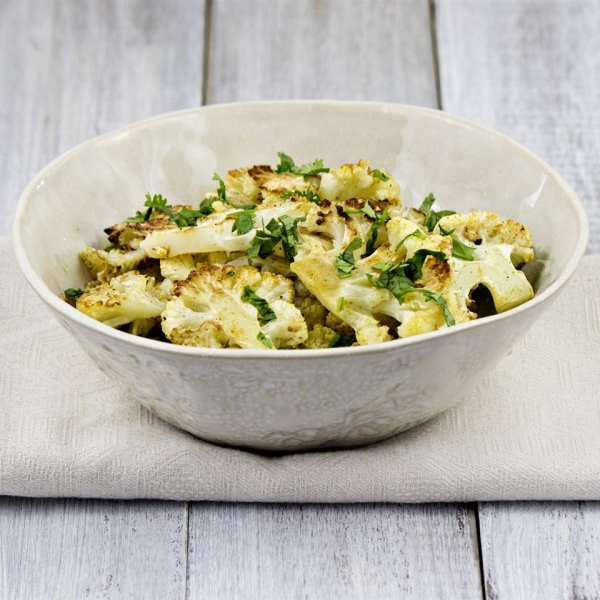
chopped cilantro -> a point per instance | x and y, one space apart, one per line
340 303
459 250
341 339
367 209
374 232
345 261
71 295
140 216
416 233
399 280
206 206
284 230
222 196
288 165
308 194
183 218
262 306
380 175
230 273
431 216
244 221
263 339
110 247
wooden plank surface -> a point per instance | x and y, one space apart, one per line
92 549
69 71
532 70
335 49
335 552
541 551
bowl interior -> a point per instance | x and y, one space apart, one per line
466 166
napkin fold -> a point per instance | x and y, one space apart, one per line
530 431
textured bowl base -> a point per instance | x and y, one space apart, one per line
291 442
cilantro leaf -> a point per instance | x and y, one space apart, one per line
308 194
341 339
459 250
284 230
262 306
183 218
222 195
340 303
416 233
244 221
413 267
71 295
374 232
263 339
431 216
206 206
287 165
140 216
312 168
345 261
399 279
380 175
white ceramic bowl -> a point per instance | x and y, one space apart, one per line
296 400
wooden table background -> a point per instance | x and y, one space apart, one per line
72 69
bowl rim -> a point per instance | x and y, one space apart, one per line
71 313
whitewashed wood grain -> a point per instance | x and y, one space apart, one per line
541 551
532 70
335 552
72 549
334 49
70 70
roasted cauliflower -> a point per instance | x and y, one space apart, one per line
301 256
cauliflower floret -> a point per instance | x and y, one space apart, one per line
106 264
317 271
320 337
215 234
456 279
177 267
219 306
480 230
357 181
128 235
124 299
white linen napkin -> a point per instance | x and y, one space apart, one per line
531 431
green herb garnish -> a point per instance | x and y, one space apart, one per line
222 196
416 233
431 216
263 339
374 232
71 295
244 221
340 303
399 279
345 261
183 218
459 250
140 216
308 194
288 165
341 339
284 230
262 306
380 175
